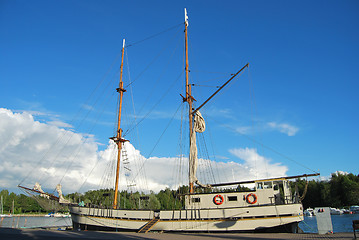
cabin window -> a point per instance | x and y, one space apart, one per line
232 198
264 185
267 185
196 199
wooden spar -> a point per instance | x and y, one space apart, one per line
219 89
189 98
269 179
118 138
37 191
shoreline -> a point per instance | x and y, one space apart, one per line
27 215
30 215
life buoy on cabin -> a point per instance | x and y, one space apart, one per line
254 198
218 199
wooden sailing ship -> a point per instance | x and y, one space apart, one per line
270 206
264 208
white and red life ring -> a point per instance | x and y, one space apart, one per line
218 199
251 198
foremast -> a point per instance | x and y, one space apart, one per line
118 139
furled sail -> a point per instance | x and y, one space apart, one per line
61 197
38 188
199 126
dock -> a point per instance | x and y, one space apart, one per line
17 234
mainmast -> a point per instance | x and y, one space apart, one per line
118 139
189 98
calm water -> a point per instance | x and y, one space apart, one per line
31 222
341 223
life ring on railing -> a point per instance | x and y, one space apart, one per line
218 199
254 198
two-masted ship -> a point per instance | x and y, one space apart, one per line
271 205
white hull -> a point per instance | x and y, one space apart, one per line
225 219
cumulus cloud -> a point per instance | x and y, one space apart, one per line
60 124
256 166
36 151
172 172
284 128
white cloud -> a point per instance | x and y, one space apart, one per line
328 177
243 130
284 128
256 166
87 107
219 112
28 147
60 124
340 173
40 151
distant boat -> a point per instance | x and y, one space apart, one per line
354 209
309 212
335 211
346 211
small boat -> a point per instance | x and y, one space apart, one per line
346 211
335 211
354 209
309 212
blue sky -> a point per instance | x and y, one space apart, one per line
304 68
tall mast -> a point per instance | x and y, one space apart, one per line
189 98
118 139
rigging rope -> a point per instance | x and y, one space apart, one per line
265 146
90 130
152 91
253 109
153 60
197 85
214 156
59 139
148 156
180 169
305 191
154 106
89 109
143 181
204 151
154 35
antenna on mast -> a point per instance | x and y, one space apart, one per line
185 17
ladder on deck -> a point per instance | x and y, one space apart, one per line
147 227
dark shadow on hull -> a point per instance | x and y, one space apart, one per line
87 227
287 228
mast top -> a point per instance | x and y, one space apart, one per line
123 43
185 17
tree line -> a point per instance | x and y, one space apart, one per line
16 204
342 190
